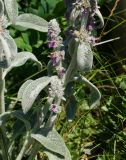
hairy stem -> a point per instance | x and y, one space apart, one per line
2 88
2 110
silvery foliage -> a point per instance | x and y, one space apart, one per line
81 16
7 44
9 59
69 60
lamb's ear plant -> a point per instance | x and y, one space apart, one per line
10 58
70 59
26 20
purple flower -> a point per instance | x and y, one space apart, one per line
90 27
56 57
54 108
52 44
61 71
54 40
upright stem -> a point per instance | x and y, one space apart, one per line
2 110
2 88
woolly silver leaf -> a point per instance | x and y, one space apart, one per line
33 22
84 57
12 10
22 88
53 142
32 91
20 59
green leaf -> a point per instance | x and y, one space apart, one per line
84 57
52 4
32 91
44 5
53 142
101 2
95 94
33 22
123 84
1 8
22 44
22 88
12 10
20 59
25 37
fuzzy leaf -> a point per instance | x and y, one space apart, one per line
9 50
84 57
95 94
1 8
12 9
20 59
22 88
32 91
11 44
6 55
33 22
53 142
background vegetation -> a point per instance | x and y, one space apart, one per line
93 135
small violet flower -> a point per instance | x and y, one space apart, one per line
55 42
61 71
54 108
56 57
